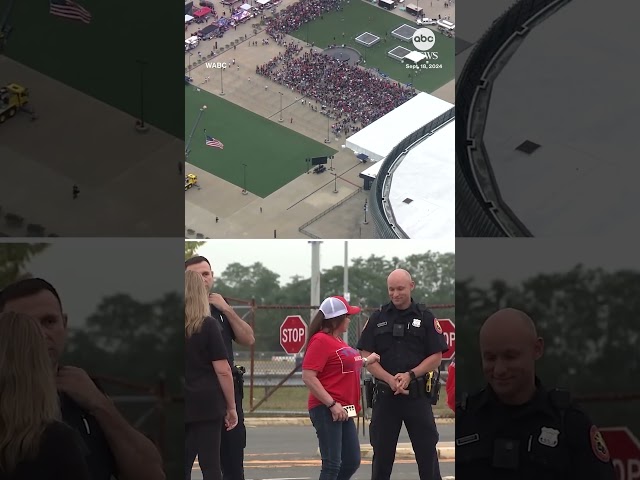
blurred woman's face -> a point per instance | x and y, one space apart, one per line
344 326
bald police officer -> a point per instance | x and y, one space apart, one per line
410 343
515 428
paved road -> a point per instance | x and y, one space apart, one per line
278 453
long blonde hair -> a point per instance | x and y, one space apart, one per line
28 394
196 302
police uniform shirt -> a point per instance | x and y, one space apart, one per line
98 454
228 336
418 335
537 440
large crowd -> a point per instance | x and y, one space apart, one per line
352 96
299 13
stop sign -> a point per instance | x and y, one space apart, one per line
449 332
624 449
293 334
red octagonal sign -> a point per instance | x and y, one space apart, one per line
449 332
293 334
624 449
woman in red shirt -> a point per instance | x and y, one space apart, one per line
451 386
331 371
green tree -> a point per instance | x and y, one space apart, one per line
432 272
191 249
14 257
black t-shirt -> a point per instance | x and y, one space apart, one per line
98 454
61 456
227 332
204 399
421 337
536 440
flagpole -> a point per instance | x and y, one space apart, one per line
186 148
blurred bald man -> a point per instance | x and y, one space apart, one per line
516 429
410 343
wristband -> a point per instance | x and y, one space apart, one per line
365 360
412 374
332 404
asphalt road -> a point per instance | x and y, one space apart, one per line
290 453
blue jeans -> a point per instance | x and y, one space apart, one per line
339 445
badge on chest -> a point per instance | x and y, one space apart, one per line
549 437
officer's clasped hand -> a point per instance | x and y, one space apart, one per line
402 383
338 413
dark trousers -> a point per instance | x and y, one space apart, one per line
233 444
203 439
339 445
389 412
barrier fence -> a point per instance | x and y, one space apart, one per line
273 379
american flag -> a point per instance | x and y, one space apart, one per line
212 142
69 9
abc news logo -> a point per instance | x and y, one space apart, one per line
424 39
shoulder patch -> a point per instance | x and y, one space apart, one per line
437 326
598 445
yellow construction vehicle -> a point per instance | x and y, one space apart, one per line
190 180
13 97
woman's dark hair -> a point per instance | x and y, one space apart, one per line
319 323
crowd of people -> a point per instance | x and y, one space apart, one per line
299 13
352 96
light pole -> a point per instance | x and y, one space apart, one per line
140 124
328 140
244 180
281 95
331 167
335 182
365 212
221 84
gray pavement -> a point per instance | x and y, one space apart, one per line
291 453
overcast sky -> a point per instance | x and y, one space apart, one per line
515 260
293 257
84 271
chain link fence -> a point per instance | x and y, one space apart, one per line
273 380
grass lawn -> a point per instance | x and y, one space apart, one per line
274 155
99 59
295 399
359 17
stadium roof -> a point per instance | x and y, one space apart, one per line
581 180
422 194
378 139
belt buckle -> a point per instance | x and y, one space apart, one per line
350 409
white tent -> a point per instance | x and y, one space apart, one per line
187 18
246 7
378 139
415 57
446 24
263 2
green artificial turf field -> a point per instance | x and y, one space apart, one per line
99 59
274 155
358 17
